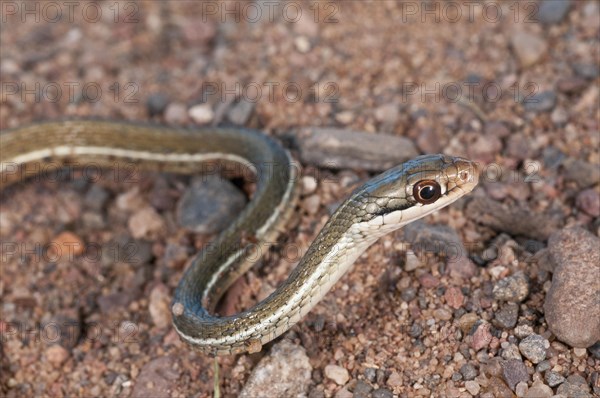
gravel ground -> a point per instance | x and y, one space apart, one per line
497 295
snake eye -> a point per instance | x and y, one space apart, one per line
427 191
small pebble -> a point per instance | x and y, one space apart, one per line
158 377
442 314
408 294
522 331
337 373
201 113
362 389
468 371
146 223
559 116
311 204
552 11
510 351
176 113
472 387
284 372
534 348
482 337
96 197
159 306
454 297
553 378
382 393
528 47
521 389
156 104
309 185
580 172
467 321
571 85
574 389
302 44
65 246
395 380
588 200
370 374
595 350
539 390
412 262
210 204
587 71
506 316
543 366
579 352
514 288
56 355
540 102
514 372
345 117
498 388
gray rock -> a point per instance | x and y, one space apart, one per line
340 149
595 350
511 351
96 197
552 157
587 71
543 366
514 221
574 388
156 104
572 306
158 378
528 47
571 85
210 204
582 173
285 372
540 102
382 393
434 238
362 390
371 374
506 316
552 11
468 371
514 372
513 288
534 348
553 378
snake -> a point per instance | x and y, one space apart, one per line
385 203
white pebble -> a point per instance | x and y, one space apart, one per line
201 114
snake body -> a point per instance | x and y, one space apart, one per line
385 203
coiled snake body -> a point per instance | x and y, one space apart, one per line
385 203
